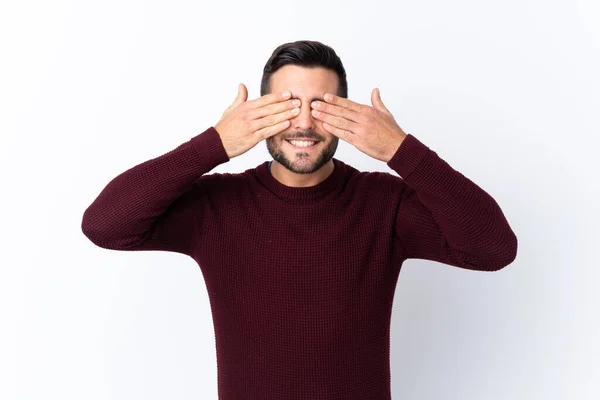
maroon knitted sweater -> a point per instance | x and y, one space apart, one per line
301 279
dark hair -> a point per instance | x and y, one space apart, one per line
304 53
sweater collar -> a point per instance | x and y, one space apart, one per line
302 194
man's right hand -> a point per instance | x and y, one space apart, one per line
245 123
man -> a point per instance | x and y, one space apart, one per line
301 255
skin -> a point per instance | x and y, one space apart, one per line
299 167
327 117
372 130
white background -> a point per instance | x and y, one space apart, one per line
507 92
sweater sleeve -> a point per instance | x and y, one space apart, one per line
156 205
443 216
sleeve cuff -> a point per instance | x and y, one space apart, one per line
209 147
408 156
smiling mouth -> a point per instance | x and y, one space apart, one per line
301 144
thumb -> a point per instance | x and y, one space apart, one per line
242 95
377 102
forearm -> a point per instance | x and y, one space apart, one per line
127 208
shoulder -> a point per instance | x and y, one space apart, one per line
222 180
376 181
220 185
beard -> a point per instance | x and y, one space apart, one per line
301 161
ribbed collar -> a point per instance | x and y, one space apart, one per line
302 195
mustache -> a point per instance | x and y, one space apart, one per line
305 135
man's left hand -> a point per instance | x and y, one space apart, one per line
372 130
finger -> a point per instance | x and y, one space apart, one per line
336 121
333 109
342 102
274 108
341 133
241 97
269 99
378 103
273 119
272 130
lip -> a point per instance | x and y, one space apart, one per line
304 148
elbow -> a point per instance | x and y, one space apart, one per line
92 230
505 255
495 258
109 237
510 253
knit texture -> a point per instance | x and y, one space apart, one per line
301 279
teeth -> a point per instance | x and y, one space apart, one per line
301 143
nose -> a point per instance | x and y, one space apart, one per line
304 121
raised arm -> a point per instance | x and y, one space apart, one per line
160 204
157 204
443 216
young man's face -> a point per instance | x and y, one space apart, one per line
306 84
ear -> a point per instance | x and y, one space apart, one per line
378 103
